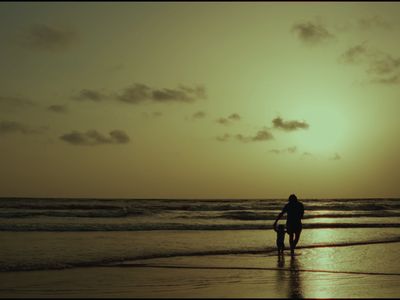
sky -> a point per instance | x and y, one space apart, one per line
199 100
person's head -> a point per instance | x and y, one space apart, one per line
292 198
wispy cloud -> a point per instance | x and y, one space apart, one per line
15 103
311 33
307 155
49 38
289 150
139 93
223 138
355 54
90 95
368 23
261 135
199 115
94 138
289 125
234 117
382 66
61 109
11 127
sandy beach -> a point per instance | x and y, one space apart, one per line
366 271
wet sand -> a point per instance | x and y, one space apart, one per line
365 271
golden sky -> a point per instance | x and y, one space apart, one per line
200 100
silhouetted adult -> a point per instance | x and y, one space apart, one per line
295 212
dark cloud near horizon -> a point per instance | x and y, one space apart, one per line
289 125
49 38
62 109
94 138
11 127
311 33
384 67
138 93
90 95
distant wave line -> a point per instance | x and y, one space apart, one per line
175 226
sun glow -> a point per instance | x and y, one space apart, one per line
328 132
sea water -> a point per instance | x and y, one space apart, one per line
63 233
68 234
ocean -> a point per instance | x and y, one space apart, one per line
44 235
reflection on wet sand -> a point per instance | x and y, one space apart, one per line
295 286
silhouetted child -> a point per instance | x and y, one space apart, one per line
280 238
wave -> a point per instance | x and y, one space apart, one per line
176 226
250 215
122 261
157 206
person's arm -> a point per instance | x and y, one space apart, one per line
302 211
280 215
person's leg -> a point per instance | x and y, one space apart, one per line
297 237
291 241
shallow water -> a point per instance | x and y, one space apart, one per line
213 248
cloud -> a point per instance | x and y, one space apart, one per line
384 68
49 38
14 103
395 79
119 137
90 95
306 154
93 138
382 63
289 150
138 93
222 121
199 115
289 125
231 118
369 23
11 127
261 135
58 108
135 94
354 54
234 117
311 33
223 138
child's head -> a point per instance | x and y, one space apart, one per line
281 228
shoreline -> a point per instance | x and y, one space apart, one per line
311 273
